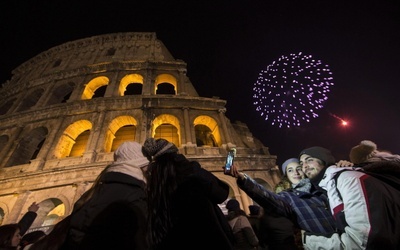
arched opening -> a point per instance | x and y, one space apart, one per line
6 106
76 133
30 100
167 127
207 131
125 133
50 212
131 85
79 146
204 136
121 129
28 147
165 84
91 88
61 94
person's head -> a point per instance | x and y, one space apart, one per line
367 151
9 236
131 153
155 148
32 237
232 205
315 159
292 170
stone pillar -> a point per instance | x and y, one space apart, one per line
11 145
92 147
16 213
228 139
188 127
51 142
181 86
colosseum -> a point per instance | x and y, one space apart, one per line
64 112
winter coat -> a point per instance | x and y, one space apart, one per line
245 237
367 209
114 218
307 210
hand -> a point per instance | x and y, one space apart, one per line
344 163
33 207
234 171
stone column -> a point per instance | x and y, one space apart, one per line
228 139
11 145
16 212
93 147
188 127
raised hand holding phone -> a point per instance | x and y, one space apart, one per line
229 161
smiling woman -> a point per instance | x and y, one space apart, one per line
292 169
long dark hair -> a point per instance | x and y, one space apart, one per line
6 235
161 184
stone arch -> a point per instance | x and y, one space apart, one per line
28 147
167 127
67 144
7 106
93 85
30 100
167 83
121 128
132 80
61 94
50 212
201 123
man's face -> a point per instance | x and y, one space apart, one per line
311 166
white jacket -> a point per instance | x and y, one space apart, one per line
363 208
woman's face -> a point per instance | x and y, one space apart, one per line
16 238
294 172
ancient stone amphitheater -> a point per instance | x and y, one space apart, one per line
64 112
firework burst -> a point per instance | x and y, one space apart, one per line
292 90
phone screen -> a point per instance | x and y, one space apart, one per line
229 160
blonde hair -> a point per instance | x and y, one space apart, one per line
283 185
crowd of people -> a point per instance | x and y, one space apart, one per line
153 197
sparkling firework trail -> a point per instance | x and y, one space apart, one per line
292 90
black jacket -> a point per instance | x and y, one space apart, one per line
114 218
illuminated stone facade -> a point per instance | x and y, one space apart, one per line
64 112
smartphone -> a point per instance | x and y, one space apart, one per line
229 160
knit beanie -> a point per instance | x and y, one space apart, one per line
130 151
320 153
232 205
155 148
362 152
287 162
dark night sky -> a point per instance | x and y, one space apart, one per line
227 43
